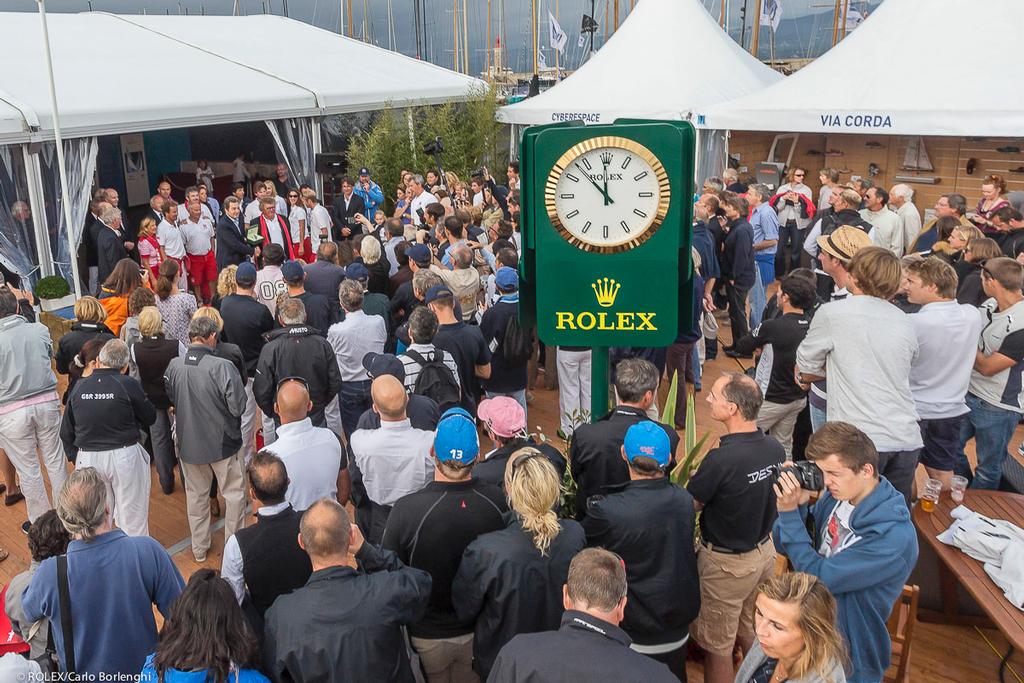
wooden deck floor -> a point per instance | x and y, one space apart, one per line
941 654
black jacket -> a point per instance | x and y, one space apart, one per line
345 625
430 529
152 355
649 523
324 278
72 342
585 648
320 315
105 411
596 456
109 250
493 468
508 587
232 248
246 321
297 351
341 216
738 254
969 289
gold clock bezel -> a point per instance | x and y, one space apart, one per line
580 148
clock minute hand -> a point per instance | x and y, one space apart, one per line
607 199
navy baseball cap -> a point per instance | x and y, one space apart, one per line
246 274
292 271
456 439
357 271
380 364
436 292
419 253
649 440
506 279
364 171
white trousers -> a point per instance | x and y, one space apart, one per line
128 478
573 387
26 434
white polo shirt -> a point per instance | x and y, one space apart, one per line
319 228
354 337
171 239
421 203
204 211
198 235
394 460
313 458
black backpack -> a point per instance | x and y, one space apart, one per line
436 380
517 344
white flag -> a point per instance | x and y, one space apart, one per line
853 19
541 62
582 42
771 13
558 37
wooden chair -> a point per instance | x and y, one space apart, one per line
901 631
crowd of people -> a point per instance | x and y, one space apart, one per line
327 373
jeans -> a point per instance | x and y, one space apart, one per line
164 455
790 244
764 265
899 468
698 371
818 418
353 400
737 297
992 428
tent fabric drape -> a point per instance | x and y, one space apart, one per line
80 157
293 139
17 233
711 146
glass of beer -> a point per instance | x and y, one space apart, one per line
930 496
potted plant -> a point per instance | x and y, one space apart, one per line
54 293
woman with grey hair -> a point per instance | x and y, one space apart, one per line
100 429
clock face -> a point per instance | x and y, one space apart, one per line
607 194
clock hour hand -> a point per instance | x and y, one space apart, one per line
606 159
607 200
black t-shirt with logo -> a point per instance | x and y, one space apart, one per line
468 348
778 340
734 482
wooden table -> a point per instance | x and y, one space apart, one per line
955 566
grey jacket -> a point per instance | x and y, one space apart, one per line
208 398
756 657
25 352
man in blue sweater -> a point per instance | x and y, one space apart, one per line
863 546
114 580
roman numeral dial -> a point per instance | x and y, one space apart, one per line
607 182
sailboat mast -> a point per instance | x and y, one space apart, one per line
533 29
465 39
488 72
455 35
557 54
835 23
846 6
757 29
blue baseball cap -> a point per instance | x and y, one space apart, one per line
292 271
419 253
436 292
506 279
649 440
456 438
357 271
246 274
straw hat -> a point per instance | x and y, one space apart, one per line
844 242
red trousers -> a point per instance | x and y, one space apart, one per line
202 270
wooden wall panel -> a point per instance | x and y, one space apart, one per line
852 155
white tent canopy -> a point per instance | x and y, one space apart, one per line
667 59
904 71
200 70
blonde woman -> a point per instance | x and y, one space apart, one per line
510 581
797 639
226 285
90 323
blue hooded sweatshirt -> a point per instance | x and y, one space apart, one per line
866 577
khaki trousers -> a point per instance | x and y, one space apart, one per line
780 419
231 480
447 660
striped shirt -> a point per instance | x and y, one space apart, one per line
412 367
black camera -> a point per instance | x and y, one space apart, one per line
434 147
806 472
422 216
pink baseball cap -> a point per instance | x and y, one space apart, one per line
503 415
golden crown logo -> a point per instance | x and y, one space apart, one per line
606 290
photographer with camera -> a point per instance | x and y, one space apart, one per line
346 207
421 198
861 544
733 488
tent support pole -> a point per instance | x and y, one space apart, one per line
59 142
318 180
34 180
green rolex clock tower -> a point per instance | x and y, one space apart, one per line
606 227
